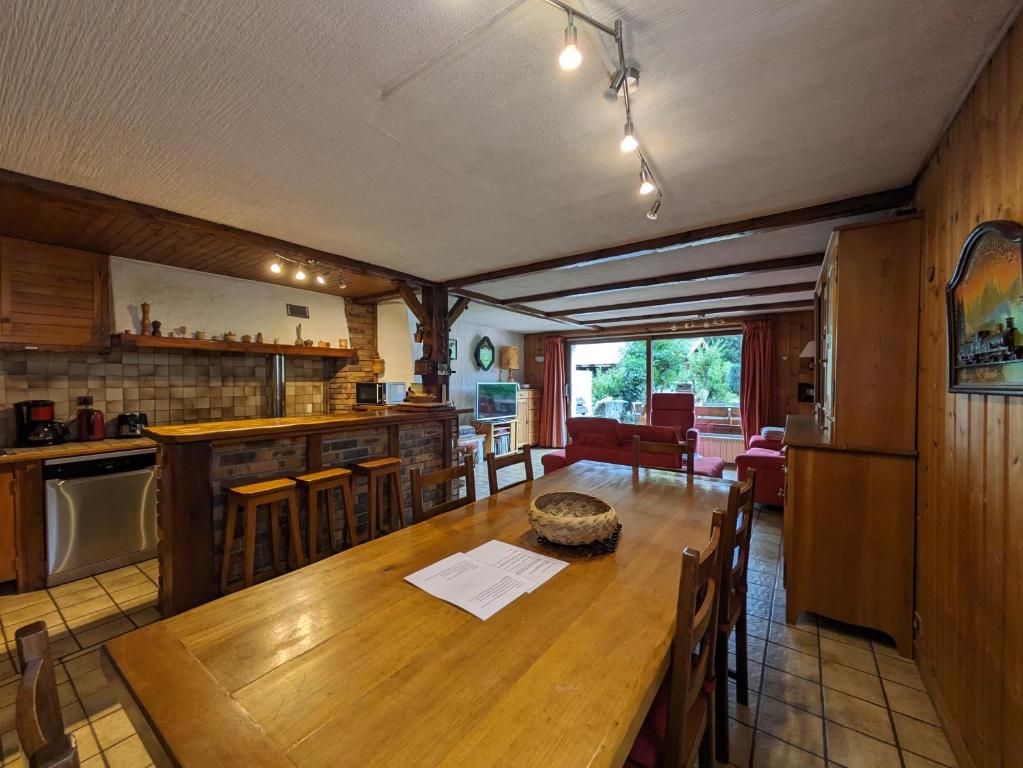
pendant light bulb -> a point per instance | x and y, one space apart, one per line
654 209
646 181
629 143
571 57
277 266
300 274
341 281
321 280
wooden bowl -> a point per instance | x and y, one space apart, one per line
567 517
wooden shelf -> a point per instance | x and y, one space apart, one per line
133 341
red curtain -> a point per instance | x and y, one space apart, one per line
757 379
552 405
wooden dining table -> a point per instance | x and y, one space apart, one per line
343 662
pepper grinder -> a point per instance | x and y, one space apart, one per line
145 318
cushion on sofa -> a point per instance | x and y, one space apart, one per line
646 433
591 425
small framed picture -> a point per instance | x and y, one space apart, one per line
452 349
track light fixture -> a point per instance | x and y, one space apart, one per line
322 273
571 57
623 81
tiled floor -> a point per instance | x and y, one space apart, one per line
508 475
80 616
822 694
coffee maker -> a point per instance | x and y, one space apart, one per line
36 424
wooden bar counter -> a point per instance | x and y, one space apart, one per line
200 461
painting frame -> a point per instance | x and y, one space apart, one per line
452 349
1008 234
485 354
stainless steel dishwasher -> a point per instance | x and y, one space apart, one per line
100 513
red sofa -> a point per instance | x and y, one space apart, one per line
607 440
767 458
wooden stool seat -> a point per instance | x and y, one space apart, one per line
270 493
324 482
377 472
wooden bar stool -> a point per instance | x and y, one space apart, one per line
376 472
326 481
272 493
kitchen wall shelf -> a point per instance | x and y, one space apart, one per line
133 341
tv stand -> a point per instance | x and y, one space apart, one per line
500 432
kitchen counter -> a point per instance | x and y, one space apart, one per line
63 450
806 432
255 429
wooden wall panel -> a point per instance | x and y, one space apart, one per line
970 476
792 331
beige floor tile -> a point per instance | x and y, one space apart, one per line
145 616
794 662
852 749
66 694
791 725
26 615
761 608
113 728
792 690
88 621
135 604
8 693
82 662
923 739
10 603
910 701
794 638
95 761
145 589
104 632
88 606
806 622
761 578
740 740
747 715
130 753
772 753
74 716
69 599
73 586
886 648
755 647
853 682
846 634
858 714
901 671
55 627
848 655
120 579
64 647
9 746
100 703
7 718
89 682
915 761
86 742
757 627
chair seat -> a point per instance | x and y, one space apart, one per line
649 745
383 463
709 466
323 475
265 486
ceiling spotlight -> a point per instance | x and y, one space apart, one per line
654 209
277 265
646 181
300 274
571 57
632 79
629 143
341 281
321 279
631 74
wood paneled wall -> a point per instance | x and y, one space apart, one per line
792 331
970 475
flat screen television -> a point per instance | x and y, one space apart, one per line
496 400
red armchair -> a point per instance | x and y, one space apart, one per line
676 410
607 440
766 456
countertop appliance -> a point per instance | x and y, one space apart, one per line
131 424
379 393
36 424
90 423
100 513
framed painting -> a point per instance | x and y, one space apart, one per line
452 349
985 312
484 354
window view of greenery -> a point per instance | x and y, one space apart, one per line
609 379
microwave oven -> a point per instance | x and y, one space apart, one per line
379 393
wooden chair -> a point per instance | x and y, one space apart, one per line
37 713
323 483
441 476
273 494
680 724
685 451
377 472
495 463
735 546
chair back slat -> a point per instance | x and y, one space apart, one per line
441 477
692 663
37 707
495 463
736 539
685 451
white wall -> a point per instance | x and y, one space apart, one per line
395 328
213 303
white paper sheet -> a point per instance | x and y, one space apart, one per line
474 586
529 565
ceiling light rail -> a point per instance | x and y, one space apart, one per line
323 274
622 81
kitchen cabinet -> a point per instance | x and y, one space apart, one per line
52 297
8 503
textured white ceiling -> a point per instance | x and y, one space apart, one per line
439 137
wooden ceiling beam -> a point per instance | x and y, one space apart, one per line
490 301
52 191
747 268
684 315
769 290
875 202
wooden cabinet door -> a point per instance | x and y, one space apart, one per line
52 296
522 418
8 560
